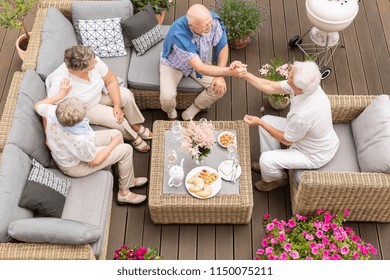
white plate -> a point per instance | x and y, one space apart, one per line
216 185
229 177
225 132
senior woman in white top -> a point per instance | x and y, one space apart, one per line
88 76
308 128
79 151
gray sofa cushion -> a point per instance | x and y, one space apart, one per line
27 129
89 201
119 65
53 230
14 170
144 71
345 159
100 10
57 35
371 131
44 192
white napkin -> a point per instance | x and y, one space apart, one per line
226 167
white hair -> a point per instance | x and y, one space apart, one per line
307 76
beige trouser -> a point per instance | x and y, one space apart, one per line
122 154
170 78
102 114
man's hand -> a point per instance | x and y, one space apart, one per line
218 85
238 68
118 114
252 120
237 64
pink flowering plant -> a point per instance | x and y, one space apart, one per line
136 253
198 139
322 237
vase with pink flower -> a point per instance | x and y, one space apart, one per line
197 140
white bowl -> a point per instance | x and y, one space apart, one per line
228 133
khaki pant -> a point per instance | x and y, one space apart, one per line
170 78
122 154
102 114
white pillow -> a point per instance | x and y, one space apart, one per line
103 36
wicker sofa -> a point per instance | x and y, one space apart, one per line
365 195
141 73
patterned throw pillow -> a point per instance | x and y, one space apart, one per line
44 191
104 36
143 30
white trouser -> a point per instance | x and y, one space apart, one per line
273 159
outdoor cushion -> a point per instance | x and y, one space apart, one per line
103 36
143 30
144 71
27 129
14 170
57 35
44 192
371 131
53 230
119 65
99 10
345 159
89 201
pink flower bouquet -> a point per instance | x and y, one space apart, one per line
136 253
320 238
198 139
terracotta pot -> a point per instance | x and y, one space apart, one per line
160 18
278 103
21 40
239 43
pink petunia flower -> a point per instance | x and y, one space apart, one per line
319 233
260 252
336 257
309 258
346 213
301 218
294 255
291 223
344 250
266 216
264 243
270 226
282 236
269 250
287 247
283 256
309 237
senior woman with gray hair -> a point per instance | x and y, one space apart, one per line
307 130
117 109
79 151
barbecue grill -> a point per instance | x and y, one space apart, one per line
329 18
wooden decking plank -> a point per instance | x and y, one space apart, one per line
384 12
243 242
224 242
188 242
384 239
170 242
206 242
369 233
238 93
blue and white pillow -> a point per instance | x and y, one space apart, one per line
103 36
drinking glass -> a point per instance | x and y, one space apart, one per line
202 120
232 151
176 130
171 157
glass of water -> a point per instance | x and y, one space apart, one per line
171 158
232 149
176 130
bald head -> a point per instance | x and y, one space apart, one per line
199 19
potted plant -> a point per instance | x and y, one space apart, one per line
12 15
241 19
159 7
136 253
322 237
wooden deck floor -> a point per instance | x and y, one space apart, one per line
361 68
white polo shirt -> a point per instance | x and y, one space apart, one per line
88 92
309 125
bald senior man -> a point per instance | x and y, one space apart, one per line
185 53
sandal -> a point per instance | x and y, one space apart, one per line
145 133
130 198
140 145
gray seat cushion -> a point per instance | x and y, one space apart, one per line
345 159
144 71
27 129
14 170
57 35
119 65
89 201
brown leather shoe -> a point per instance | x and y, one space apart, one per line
267 187
256 167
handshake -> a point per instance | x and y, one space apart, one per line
238 68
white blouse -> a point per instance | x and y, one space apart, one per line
88 92
66 148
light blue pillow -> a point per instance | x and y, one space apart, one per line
53 230
371 132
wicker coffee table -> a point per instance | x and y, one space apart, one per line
186 209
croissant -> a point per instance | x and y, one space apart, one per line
207 191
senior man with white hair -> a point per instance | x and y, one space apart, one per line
307 130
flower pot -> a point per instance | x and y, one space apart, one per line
278 102
21 45
239 43
160 18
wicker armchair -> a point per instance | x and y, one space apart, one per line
366 195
